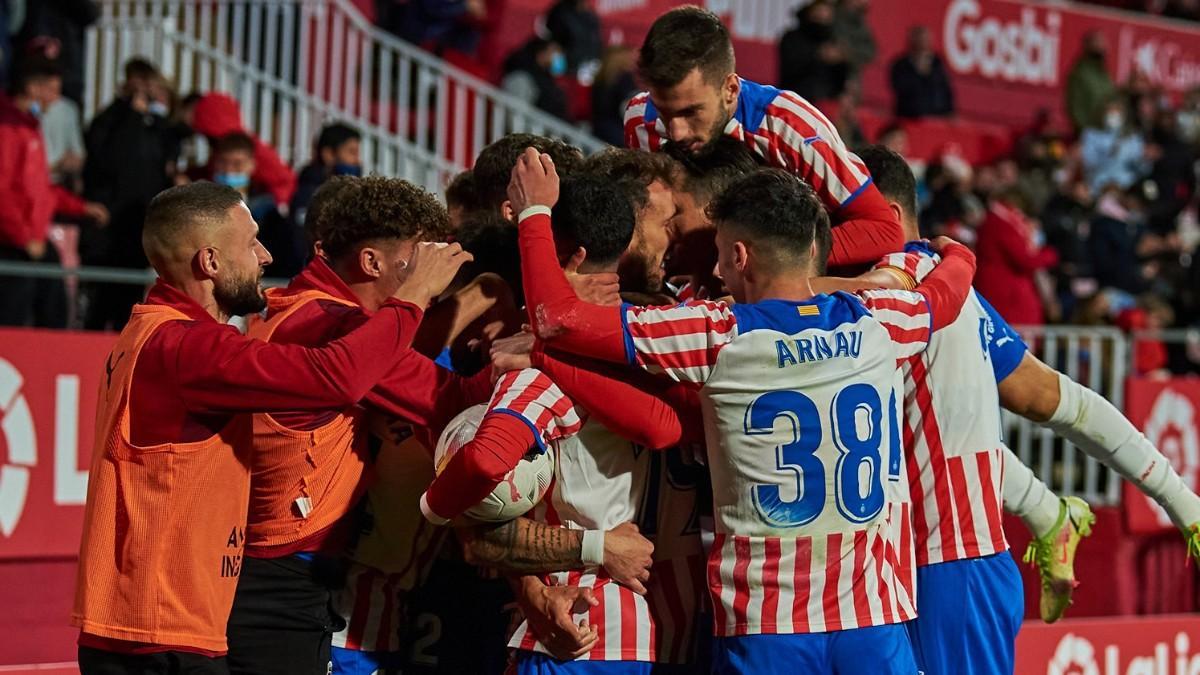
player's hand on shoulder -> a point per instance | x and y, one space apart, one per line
550 611
430 270
627 557
512 353
601 288
534 182
943 245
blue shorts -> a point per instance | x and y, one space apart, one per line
968 615
536 663
878 650
354 662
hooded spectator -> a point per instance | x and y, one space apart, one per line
132 147
28 200
919 79
530 72
812 62
1089 85
1009 254
337 153
851 27
217 115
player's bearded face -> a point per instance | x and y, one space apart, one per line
242 294
695 111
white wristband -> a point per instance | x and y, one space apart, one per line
592 550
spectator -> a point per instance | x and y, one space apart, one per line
435 25
217 115
573 24
1117 237
613 87
337 153
28 200
851 28
1089 86
61 125
233 164
65 21
1170 185
1113 154
132 147
812 62
530 72
1009 254
846 119
919 79
1065 221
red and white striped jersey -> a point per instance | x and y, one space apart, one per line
952 431
801 405
372 607
397 548
677 490
599 482
785 130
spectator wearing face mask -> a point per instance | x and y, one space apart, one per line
233 165
1089 85
131 152
216 115
337 153
530 72
28 200
1113 154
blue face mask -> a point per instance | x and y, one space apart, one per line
347 170
35 109
157 108
237 181
558 64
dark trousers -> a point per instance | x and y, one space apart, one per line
25 301
109 305
283 620
98 662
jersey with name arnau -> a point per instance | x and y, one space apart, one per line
801 403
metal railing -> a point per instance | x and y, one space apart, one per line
1098 358
294 65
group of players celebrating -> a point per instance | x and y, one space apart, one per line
774 424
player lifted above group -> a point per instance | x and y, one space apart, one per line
712 407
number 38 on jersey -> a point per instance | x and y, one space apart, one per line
833 456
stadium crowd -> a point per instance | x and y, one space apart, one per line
1090 220
718 400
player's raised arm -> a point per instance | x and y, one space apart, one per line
680 342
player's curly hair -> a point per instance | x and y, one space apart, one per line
632 171
376 207
493 168
778 214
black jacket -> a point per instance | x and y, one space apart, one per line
921 95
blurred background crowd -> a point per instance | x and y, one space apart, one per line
1085 216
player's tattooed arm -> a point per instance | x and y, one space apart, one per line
522 546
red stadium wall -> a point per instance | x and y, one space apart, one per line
1007 58
48 382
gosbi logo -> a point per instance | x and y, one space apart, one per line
1014 51
1171 427
20 448
1074 656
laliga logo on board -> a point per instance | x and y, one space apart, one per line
1014 51
1171 426
1163 61
1075 655
16 427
